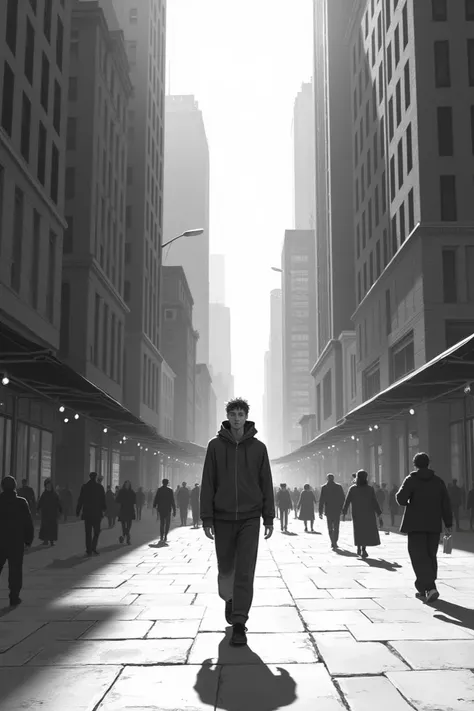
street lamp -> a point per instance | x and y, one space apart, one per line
277 269
188 233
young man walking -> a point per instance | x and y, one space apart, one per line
331 502
236 491
427 503
164 504
93 505
16 535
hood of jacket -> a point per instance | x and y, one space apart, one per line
226 433
423 474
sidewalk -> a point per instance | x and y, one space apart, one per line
141 627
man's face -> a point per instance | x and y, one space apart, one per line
237 418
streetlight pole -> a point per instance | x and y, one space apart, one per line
187 233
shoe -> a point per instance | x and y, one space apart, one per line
15 601
228 612
420 596
51 543
239 638
120 539
129 542
96 552
359 550
364 553
432 595
45 543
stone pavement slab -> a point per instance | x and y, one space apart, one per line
266 619
436 690
183 612
174 629
458 654
143 651
384 632
118 629
262 649
366 693
325 621
12 632
341 604
344 656
105 612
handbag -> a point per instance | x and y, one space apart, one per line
447 544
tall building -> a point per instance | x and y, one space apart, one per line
217 281
179 341
299 331
220 355
205 406
93 310
273 389
303 148
187 204
34 68
144 27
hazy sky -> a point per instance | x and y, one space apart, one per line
245 60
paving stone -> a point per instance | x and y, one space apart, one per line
301 687
13 632
61 688
344 656
361 592
262 619
372 694
174 629
385 632
43 614
262 649
340 604
165 600
278 598
143 651
163 689
184 612
436 690
423 615
105 612
118 629
328 620
458 654
399 603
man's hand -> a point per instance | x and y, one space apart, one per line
448 530
209 532
27 548
268 532
320 516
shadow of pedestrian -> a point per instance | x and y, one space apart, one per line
382 564
464 616
344 552
160 544
243 681
289 533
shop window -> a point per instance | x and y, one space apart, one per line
402 358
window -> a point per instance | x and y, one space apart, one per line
29 51
128 216
386 251
327 395
54 174
457 331
126 292
371 381
445 130
378 260
353 376
59 44
113 346
47 19
96 348
393 186
400 163
68 242
470 273
41 153
71 134
442 64
70 183
105 342
447 184
389 63
25 128
33 6
64 333
398 102
402 357
57 108
411 211
45 83
2 187
377 206
15 266
11 24
449 276
7 99
391 125
407 85
72 89
359 287
388 313
388 18
405 24
384 194
133 16
36 250
439 10
469 10
470 61
397 45
402 223
371 269
51 280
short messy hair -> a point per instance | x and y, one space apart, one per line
237 403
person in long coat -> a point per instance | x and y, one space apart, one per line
365 509
306 504
126 499
285 504
195 498
111 510
49 507
182 498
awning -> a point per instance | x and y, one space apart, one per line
441 377
38 372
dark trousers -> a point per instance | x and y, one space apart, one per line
195 512
284 518
92 524
165 521
333 521
423 549
236 549
126 526
14 556
183 512
139 513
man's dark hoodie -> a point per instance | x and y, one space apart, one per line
427 503
16 524
237 479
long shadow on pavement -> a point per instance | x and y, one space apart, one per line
463 616
243 681
381 564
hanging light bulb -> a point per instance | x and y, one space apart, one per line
104 430
66 419
62 408
411 411
5 380
76 416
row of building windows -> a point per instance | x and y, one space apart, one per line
439 10
11 32
443 63
458 268
108 343
150 383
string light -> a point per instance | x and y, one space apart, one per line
66 419
412 411
5 380
76 416
104 430
62 408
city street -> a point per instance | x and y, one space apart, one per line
141 627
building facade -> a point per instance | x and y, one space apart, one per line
217 279
179 341
304 163
34 69
167 401
299 331
273 394
220 357
205 406
144 27
187 204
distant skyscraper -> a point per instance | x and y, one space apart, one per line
144 26
187 205
303 143
217 273
273 394
220 354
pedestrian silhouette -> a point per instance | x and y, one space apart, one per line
250 685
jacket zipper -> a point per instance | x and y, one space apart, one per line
236 489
